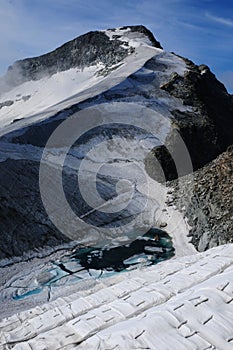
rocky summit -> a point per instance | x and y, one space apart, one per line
83 51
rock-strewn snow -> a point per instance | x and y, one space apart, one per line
183 303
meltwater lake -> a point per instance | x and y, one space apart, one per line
87 262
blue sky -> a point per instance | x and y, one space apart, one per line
200 30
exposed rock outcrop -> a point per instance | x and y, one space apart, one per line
208 129
210 211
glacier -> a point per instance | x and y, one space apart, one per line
182 303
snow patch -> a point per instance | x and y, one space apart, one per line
129 38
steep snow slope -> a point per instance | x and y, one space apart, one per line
61 90
33 97
185 303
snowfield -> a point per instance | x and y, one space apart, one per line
183 303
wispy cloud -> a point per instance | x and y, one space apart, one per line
222 20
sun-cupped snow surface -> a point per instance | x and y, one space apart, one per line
183 303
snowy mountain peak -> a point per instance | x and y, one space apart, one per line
32 85
106 47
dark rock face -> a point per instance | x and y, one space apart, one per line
167 172
84 51
24 224
208 130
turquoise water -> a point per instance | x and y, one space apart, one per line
91 262
27 294
151 248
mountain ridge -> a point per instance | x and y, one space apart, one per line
84 50
183 93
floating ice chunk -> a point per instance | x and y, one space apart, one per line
153 249
136 259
